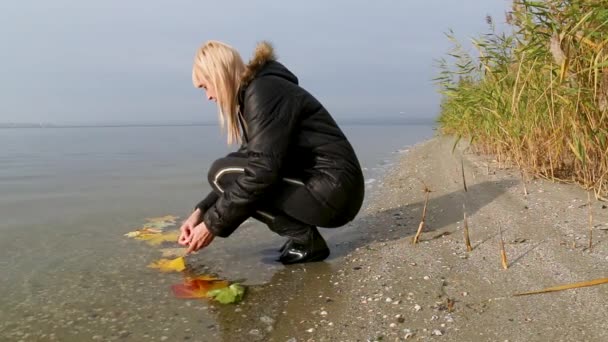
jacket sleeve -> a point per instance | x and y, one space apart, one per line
270 114
207 202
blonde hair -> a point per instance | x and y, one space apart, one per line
221 66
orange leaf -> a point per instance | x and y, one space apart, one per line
169 265
198 287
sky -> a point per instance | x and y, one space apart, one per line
111 61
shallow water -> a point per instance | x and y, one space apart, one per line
67 196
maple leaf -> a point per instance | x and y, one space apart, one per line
231 294
169 265
198 287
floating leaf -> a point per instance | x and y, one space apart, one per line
172 252
169 265
160 222
198 287
567 287
143 231
231 294
155 225
158 238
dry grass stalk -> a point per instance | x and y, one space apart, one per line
467 240
536 96
567 287
416 238
503 252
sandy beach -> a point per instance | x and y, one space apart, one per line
386 289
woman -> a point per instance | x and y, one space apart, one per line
295 169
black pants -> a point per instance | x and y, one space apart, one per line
290 210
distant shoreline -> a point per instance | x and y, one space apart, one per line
350 122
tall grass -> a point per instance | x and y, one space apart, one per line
537 95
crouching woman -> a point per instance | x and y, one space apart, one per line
295 170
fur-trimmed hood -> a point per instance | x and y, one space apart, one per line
265 58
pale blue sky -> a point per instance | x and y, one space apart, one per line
69 61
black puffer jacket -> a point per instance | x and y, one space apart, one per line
288 133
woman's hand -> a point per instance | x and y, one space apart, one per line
188 226
200 237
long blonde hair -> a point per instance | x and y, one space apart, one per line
221 66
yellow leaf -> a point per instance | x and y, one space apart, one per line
158 238
169 265
567 287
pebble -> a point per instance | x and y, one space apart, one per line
392 325
408 333
323 313
293 339
426 278
164 338
266 320
437 332
388 300
417 308
310 330
254 332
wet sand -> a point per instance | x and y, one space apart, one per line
384 288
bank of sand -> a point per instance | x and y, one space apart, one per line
383 275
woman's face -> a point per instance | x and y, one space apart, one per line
209 90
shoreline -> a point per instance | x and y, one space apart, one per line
384 288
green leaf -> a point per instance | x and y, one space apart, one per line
231 294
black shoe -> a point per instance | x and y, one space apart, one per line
285 245
311 247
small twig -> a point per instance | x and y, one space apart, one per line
422 222
523 178
503 252
590 222
467 240
464 181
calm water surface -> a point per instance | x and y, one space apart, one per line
67 196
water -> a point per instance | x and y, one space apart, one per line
67 196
